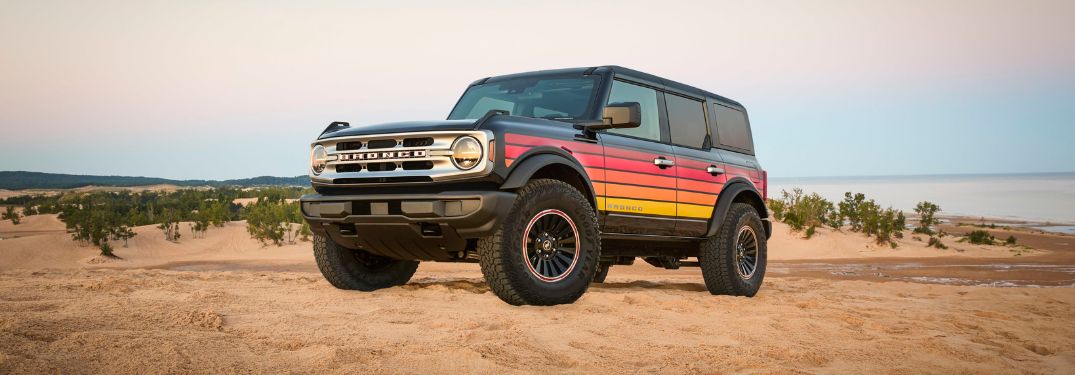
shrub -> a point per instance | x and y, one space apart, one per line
801 211
981 237
936 242
1010 241
106 250
169 224
926 211
271 221
850 210
11 214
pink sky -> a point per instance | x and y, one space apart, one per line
171 81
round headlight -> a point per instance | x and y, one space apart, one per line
466 152
318 159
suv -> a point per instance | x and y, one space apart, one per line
547 179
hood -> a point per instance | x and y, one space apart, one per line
400 127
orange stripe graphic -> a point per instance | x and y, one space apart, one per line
638 192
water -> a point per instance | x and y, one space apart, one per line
1045 198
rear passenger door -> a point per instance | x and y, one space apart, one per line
699 172
733 138
640 171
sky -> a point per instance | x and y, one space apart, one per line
231 89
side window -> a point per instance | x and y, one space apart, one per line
647 100
732 129
686 120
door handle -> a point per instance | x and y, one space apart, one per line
714 170
663 163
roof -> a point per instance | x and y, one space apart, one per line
616 69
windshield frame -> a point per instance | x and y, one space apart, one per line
593 108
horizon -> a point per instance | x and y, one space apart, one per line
771 177
838 88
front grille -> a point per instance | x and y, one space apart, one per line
369 180
381 143
348 168
380 167
417 165
418 142
348 146
404 157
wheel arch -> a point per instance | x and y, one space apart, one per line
738 190
552 164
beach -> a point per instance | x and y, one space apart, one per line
225 303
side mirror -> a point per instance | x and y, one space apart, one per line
620 115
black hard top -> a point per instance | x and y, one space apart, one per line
617 70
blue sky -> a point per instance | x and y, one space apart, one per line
226 89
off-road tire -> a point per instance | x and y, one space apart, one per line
354 269
502 255
717 255
602 273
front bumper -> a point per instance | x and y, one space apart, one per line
408 226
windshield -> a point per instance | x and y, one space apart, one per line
557 98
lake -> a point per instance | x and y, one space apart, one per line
1047 197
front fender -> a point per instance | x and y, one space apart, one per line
524 169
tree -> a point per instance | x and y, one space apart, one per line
849 210
10 214
926 219
169 224
124 233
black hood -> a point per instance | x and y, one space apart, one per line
400 127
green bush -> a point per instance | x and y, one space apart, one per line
1010 241
926 220
936 242
808 211
10 214
850 210
271 221
981 237
801 211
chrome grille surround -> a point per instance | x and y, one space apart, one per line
439 153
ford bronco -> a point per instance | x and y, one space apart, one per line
547 179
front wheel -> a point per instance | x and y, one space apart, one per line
546 250
354 269
602 273
733 261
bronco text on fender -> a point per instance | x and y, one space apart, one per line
547 179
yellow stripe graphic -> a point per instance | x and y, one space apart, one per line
693 211
638 206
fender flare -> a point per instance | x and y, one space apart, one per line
530 163
732 190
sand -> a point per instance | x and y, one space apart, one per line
225 303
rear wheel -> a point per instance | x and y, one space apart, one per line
733 261
546 250
354 269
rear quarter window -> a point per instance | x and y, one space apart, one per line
732 128
686 118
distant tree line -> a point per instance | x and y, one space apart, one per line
18 180
98 218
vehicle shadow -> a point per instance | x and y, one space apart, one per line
479 286
643 284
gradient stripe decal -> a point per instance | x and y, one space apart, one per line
626 181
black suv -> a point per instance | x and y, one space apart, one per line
547 179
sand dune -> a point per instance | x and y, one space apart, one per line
230 244
225 303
